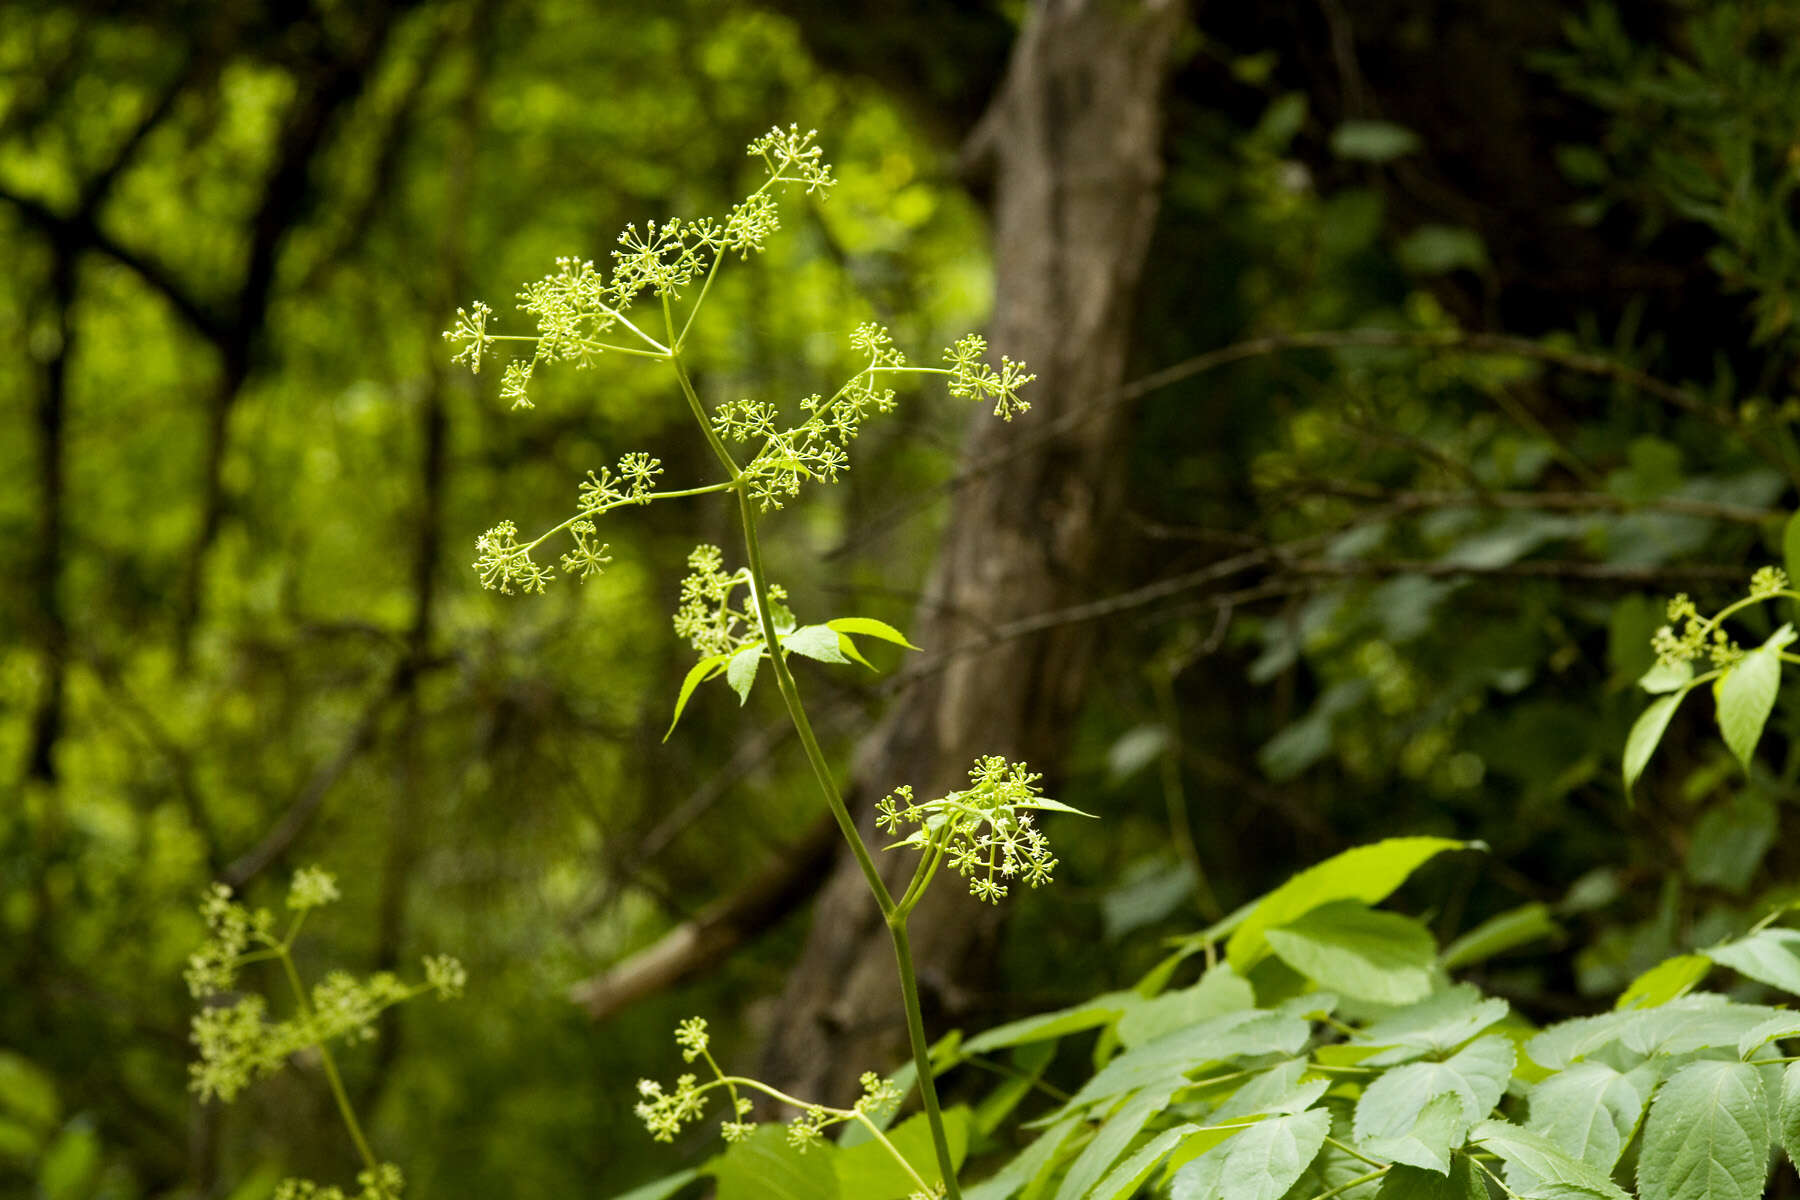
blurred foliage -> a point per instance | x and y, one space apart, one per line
241 633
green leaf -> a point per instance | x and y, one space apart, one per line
1667 677
818 642
1498 934
1435 249
27 1091
870 627
1746 694
1372 141
1125 1178
1276 1092
1112 1139
1590 1110
1231 1035
1367 873
1646 732
661 1189
1390 1106
1103 1009
699 673
764 1167
1352 949
1770 956
1532 1158
1261 1163
1437 1024
1667 980
1220 990
1441 1127
740 673
848 648
1788 1114
1029 1064
71 1163
1707 1136
1032 1162
1413 1183
868 1170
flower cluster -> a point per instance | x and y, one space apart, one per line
384 1183
972 378
1688 636
665 1113
237 1042
578 306
986 833
503 564
1767 582
710 618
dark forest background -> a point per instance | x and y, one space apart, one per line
1398 358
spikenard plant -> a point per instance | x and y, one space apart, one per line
736 619
239 1043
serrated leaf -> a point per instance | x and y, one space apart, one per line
740 672
1367 873
1746 695
1667 677
817 642
1273 1093
870 627
1515 927
1436 1024
1352 949
1645 733
1532 1159
1440 1128
1231 1035
1770 956
1219 991
1128 1175
1788 1113
1390 1106
1103 1009
699 673
1668 980
1111 1140
1463 1182
1590 1110
1032 1162
1261 1163
1702 1021
1707 1136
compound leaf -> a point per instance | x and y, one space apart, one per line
1352 949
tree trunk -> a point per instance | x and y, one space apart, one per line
1070 151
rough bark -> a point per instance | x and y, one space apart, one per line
1070 152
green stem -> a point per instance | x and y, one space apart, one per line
331 1072
1351 1183
834 800
915 1030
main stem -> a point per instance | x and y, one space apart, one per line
331 1072
891 914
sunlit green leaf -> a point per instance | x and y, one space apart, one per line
870 627
740 673
699 673
1747 694
1261 1163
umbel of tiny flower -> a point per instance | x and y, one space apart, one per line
987 832
666 1112
238 1042
712 617
384 1183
